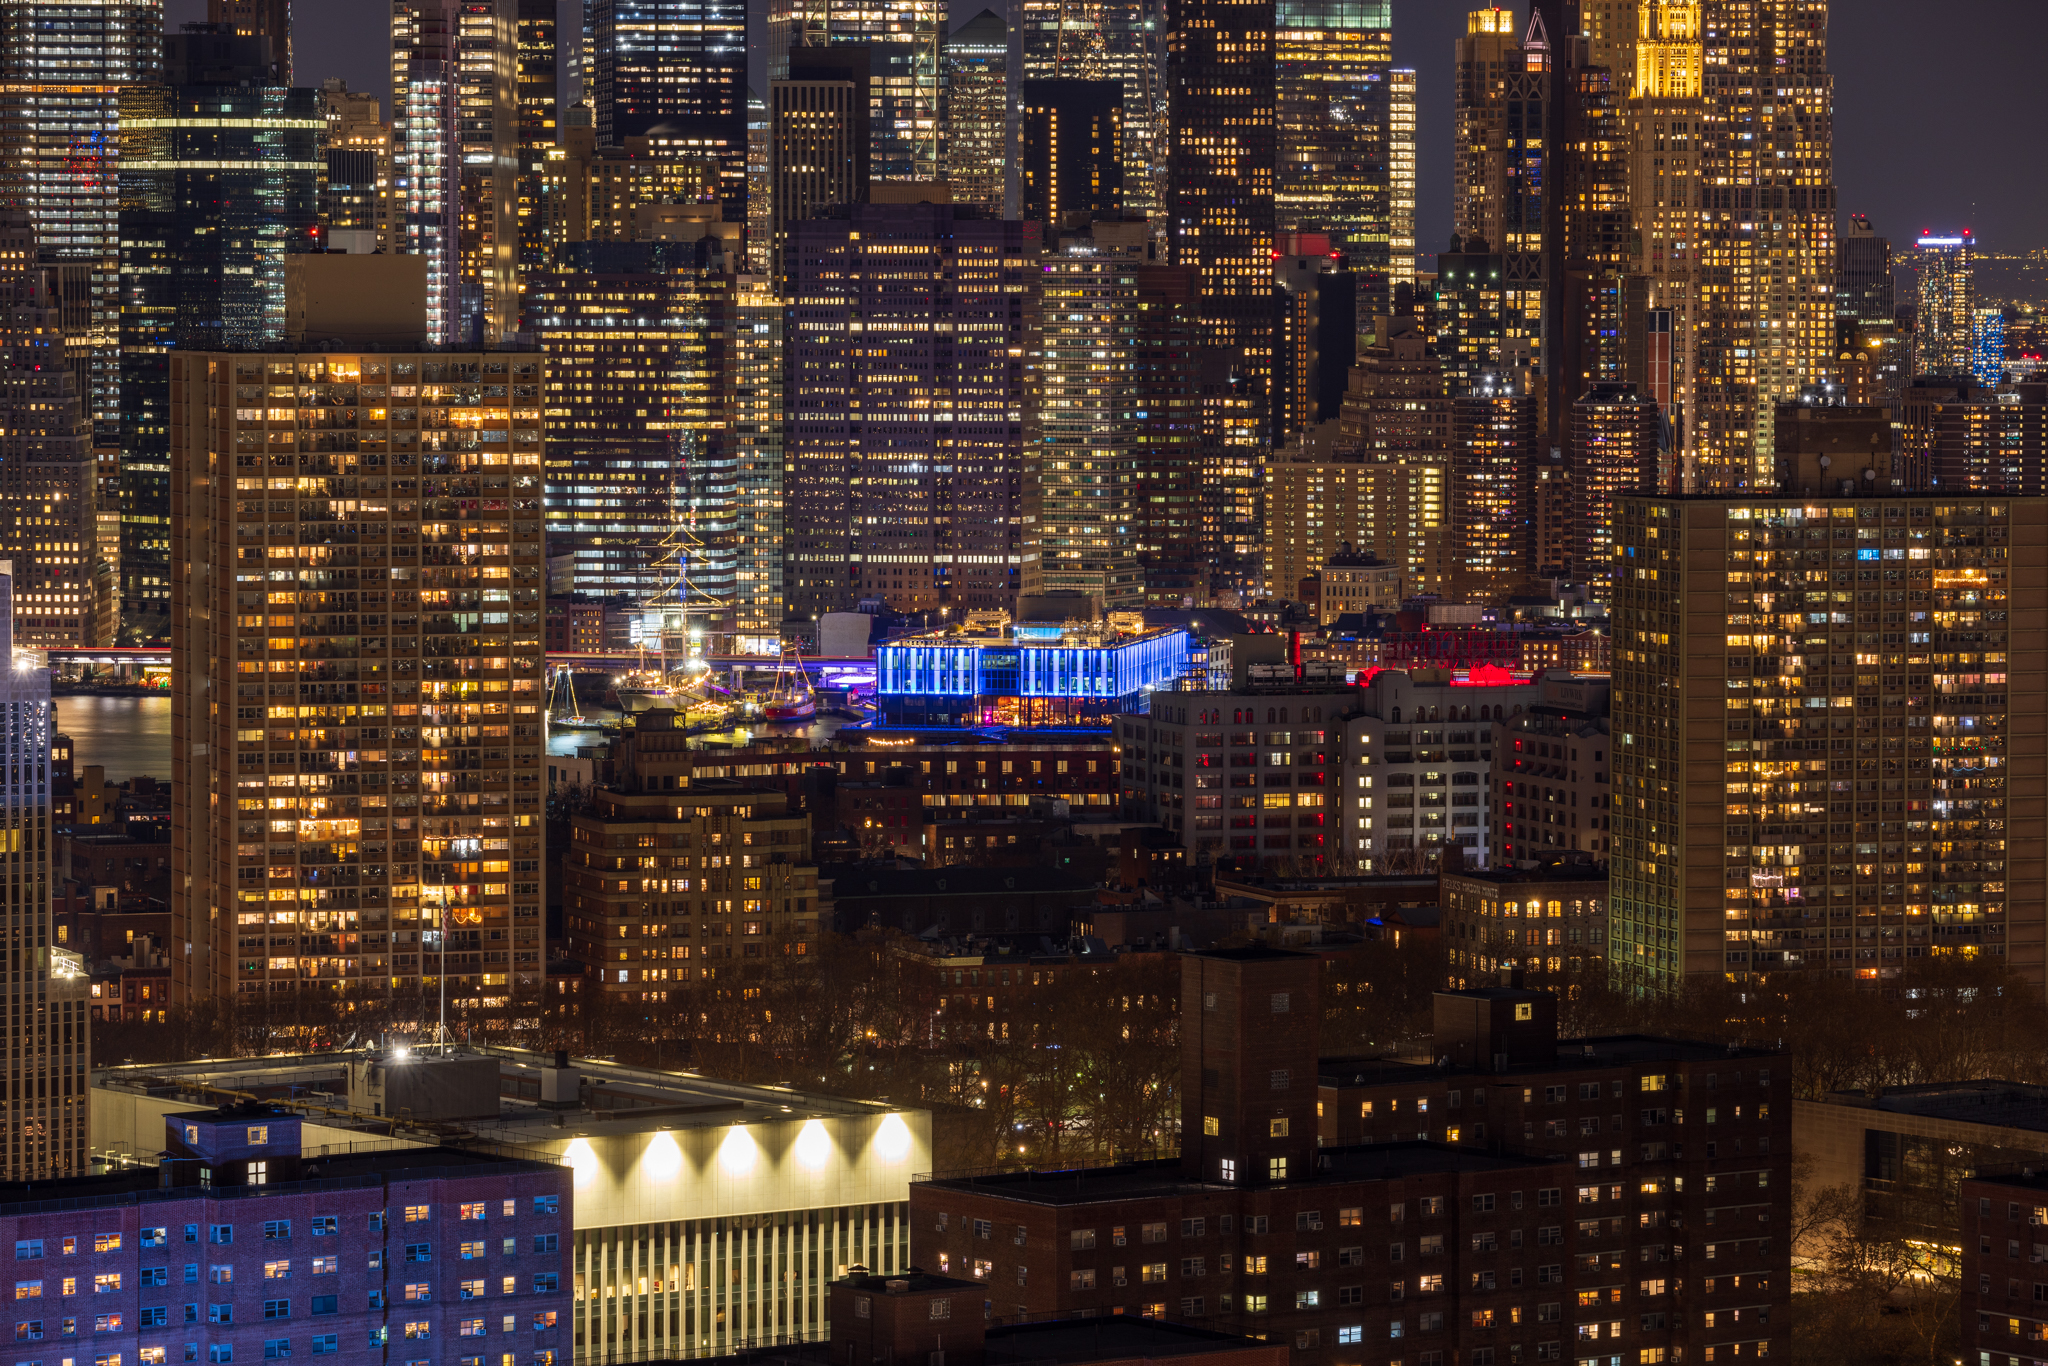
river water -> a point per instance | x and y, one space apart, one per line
130 736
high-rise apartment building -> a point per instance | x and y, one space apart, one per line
1613 454
1333 61
539 126
220 182
1123 41
1070 151
679 66
655 943
1958 436
904 58
455 159
356 638
49 1044
977 111
1106 416
357 145
63 66
268 20
1987 344
904 440
1480 321
1398 417
1941 326
62 590
1220 214
1401 240
1764 268
818 142
1493 449
1853 830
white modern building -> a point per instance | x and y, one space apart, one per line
709 1216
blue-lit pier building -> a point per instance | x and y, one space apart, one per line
1030 677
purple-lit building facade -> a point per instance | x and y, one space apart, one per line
239 1246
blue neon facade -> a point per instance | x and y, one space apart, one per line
974 679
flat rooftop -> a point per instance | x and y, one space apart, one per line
1138 1180
617 1100
142 1185
1030 636
1557 872
1621 1050
2006 1104
1108 1337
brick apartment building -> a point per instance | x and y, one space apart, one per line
2004 1320
1602 1201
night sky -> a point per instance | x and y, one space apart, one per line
1932 128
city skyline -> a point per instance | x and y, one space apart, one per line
1978 52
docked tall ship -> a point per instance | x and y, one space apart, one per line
674 672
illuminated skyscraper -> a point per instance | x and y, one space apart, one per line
455 159
219 183
1315 295
905 43
759 234
668 459
1120 40
1220 218
818 142
680 66
1334 175
1663 75
63 65
356 726
1401 242
48 1045
1864 290
904 440
976 102
1948 305
1069 151
1507 154
1111 355
539 58
1764 273
1594 243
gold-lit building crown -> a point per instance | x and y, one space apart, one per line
1669 59
1490 20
